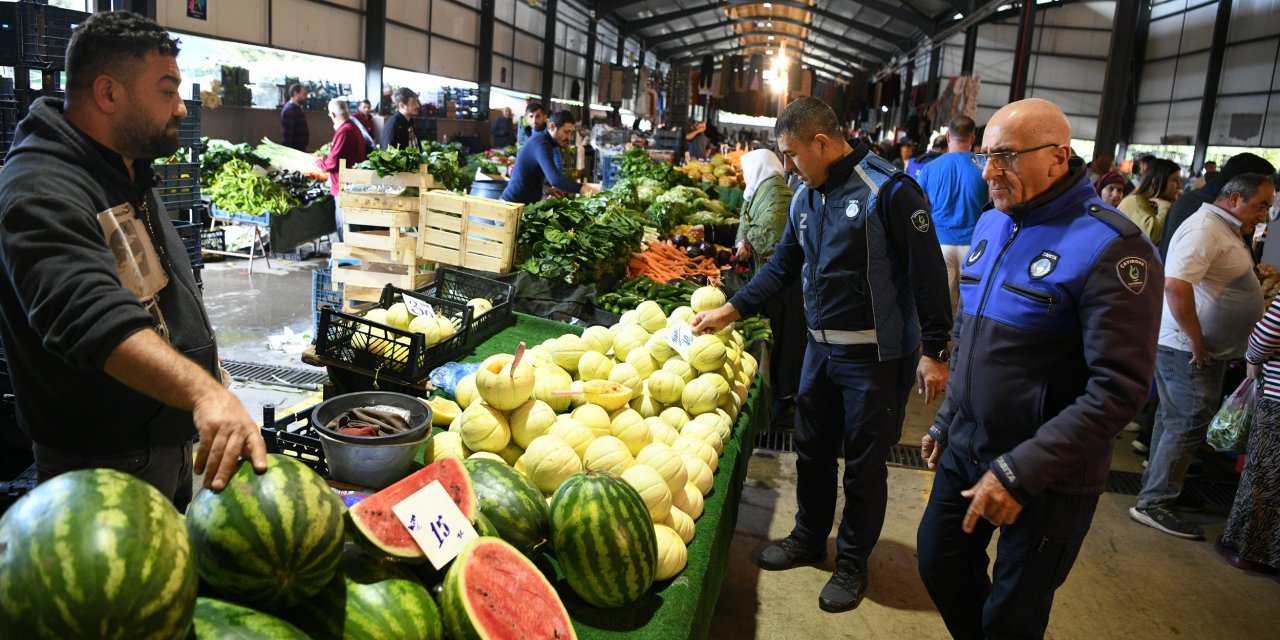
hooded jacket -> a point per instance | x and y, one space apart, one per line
63 306
1055 344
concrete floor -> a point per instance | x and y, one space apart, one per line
1130 581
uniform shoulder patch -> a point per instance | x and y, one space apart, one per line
920 220
1133 273
1114 219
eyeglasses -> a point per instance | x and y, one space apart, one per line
1002 160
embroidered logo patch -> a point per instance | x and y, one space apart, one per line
976 254
920 220
1043 265
1133 273
852 210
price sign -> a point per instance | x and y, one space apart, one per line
435 523
681 338
419 308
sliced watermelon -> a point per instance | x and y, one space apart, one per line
379 525
493 591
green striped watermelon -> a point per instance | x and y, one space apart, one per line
269 540
371 599
95 554
511 503
378 525
604 539
219 620
493 592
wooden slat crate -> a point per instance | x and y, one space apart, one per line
469 232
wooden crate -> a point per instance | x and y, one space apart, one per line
422 180
364 282
469 232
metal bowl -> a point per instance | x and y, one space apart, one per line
419 416
369 465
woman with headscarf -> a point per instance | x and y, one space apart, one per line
766 201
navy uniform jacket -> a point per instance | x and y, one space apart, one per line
863 245
535 163
1056 342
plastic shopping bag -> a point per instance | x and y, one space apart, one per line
1229 431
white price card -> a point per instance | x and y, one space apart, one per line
435 523
681 338
419 308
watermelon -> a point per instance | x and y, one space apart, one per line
378 524
370 598
268 540
511 504
604 539
95 553
219 620
494 592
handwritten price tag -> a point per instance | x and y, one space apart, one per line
435 523
419 308
681 338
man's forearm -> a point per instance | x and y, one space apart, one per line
1182 304
148 364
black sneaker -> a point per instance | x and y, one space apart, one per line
1195 470
1167 521
1187 503
845 589
789 552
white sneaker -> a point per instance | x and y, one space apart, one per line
1133 427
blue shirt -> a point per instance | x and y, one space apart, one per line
956 194
535 163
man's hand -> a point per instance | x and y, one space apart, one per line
744 250
1253 371
588 189
1200 356
714 320
696 232
990 500
931 378
226 432
931 451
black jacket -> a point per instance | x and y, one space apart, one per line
63 308
398 131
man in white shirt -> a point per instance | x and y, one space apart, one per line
1212 300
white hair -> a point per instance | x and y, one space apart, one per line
340 107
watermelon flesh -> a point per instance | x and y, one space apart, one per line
493 591
379 525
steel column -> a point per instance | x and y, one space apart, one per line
375 49
588 83
970 50
484 66
1212 80
549 53
1116 82
1022 54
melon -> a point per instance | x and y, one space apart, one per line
609 396
466 392
530 420
650 316
699 396
689 500
607 453
665 387
647 406
697 447
700 474
707 353
681 314
667 462
549 461
598 339
484 428
398 316
574 433
706 299
652 488
661 431
629 339
479 306
549 380
680 522
443 411
659 347
625 375
675 416
502 387
595 417
378 524
680 368
643 362
511 453
630 427
567 350
673 555
446 444
492 591
485 455
594 366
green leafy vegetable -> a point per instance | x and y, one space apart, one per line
442 163
577 240
237 188
218 152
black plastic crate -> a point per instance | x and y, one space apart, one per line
36 35
295 436
190 234
323 294
460 286
189 129
178 184
384 352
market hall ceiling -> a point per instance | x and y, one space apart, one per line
827 33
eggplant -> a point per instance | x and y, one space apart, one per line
681 240
707 249
692 251
701 279
723 257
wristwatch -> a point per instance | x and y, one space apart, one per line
941 356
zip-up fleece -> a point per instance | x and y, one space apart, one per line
64 309
1055 346
864 248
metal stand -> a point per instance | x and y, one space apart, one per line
258 249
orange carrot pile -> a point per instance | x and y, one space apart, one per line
664 262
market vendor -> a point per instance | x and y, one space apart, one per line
537 162
861 242
347 145
112 357
293 121
398 130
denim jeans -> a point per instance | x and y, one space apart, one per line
1188 399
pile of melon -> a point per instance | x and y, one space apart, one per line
617 399
434 328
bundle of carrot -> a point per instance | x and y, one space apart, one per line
664 262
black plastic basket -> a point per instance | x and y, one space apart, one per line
295 436
36 35
212 240
189 129
386 353
178 184
732 280
190 234
460 286
323 294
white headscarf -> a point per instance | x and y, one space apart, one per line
758 166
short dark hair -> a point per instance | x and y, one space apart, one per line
1245 184
403 95
535 107
113 42
806 117
1149 158
366 101
295 89
560 118
963 128
1158 172
1246 163
1210 162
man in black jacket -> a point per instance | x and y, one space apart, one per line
860 240
112 356
398 130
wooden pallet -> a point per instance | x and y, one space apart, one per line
469 232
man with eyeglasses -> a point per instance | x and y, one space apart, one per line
1060 300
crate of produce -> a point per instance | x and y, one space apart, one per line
178 184
362 344
190 234
324 294
364 189
463 287
469 232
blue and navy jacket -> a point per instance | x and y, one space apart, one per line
537 160
1056 341
863 245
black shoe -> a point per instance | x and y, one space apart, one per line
1195 470
1168 522
845 589
789 552
1188 503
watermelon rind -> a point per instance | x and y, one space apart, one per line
511 503
95 553
604 539
490 579
220 620
378 524
269 540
